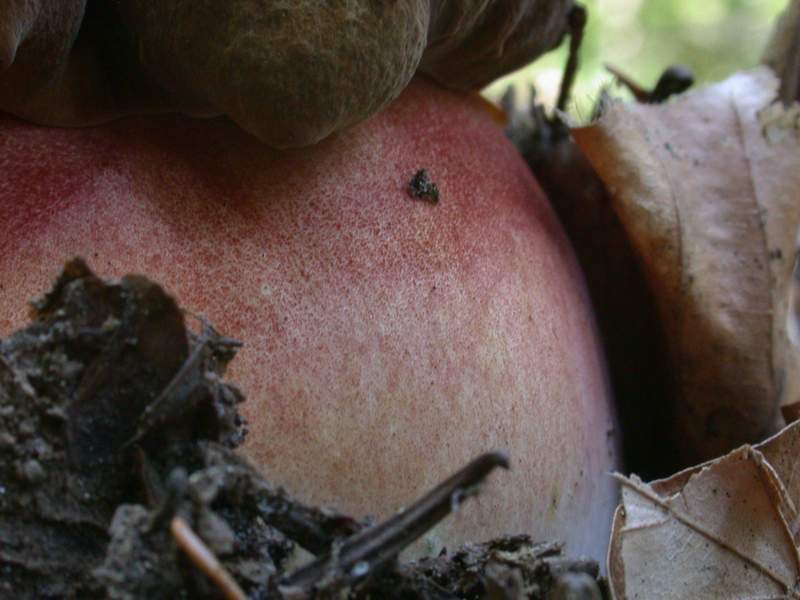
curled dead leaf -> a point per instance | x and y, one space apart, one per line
782 451
722 533
705 188
728 528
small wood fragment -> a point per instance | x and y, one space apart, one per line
365 551
204 559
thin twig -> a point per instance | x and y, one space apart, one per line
176 397
576 21
312 528
172 496
204 559
638 92
363 552
675 80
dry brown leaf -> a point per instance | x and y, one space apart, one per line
782 53
721 535
706 189
782 451
776 460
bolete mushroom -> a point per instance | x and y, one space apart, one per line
388 338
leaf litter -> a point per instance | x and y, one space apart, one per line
705 189
689 209
724 529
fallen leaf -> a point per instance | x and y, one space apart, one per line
782 451
776 461
782 53
721 535
705 187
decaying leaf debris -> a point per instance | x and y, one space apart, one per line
705 189
728 528
691 208
118 477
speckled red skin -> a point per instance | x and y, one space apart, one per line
387 340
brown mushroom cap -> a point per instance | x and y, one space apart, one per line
289 71
473 42
36 38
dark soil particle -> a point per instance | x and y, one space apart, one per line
422 187
116 435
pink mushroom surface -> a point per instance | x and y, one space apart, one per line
387 339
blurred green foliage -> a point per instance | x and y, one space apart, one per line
714 38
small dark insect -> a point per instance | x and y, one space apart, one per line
422 187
